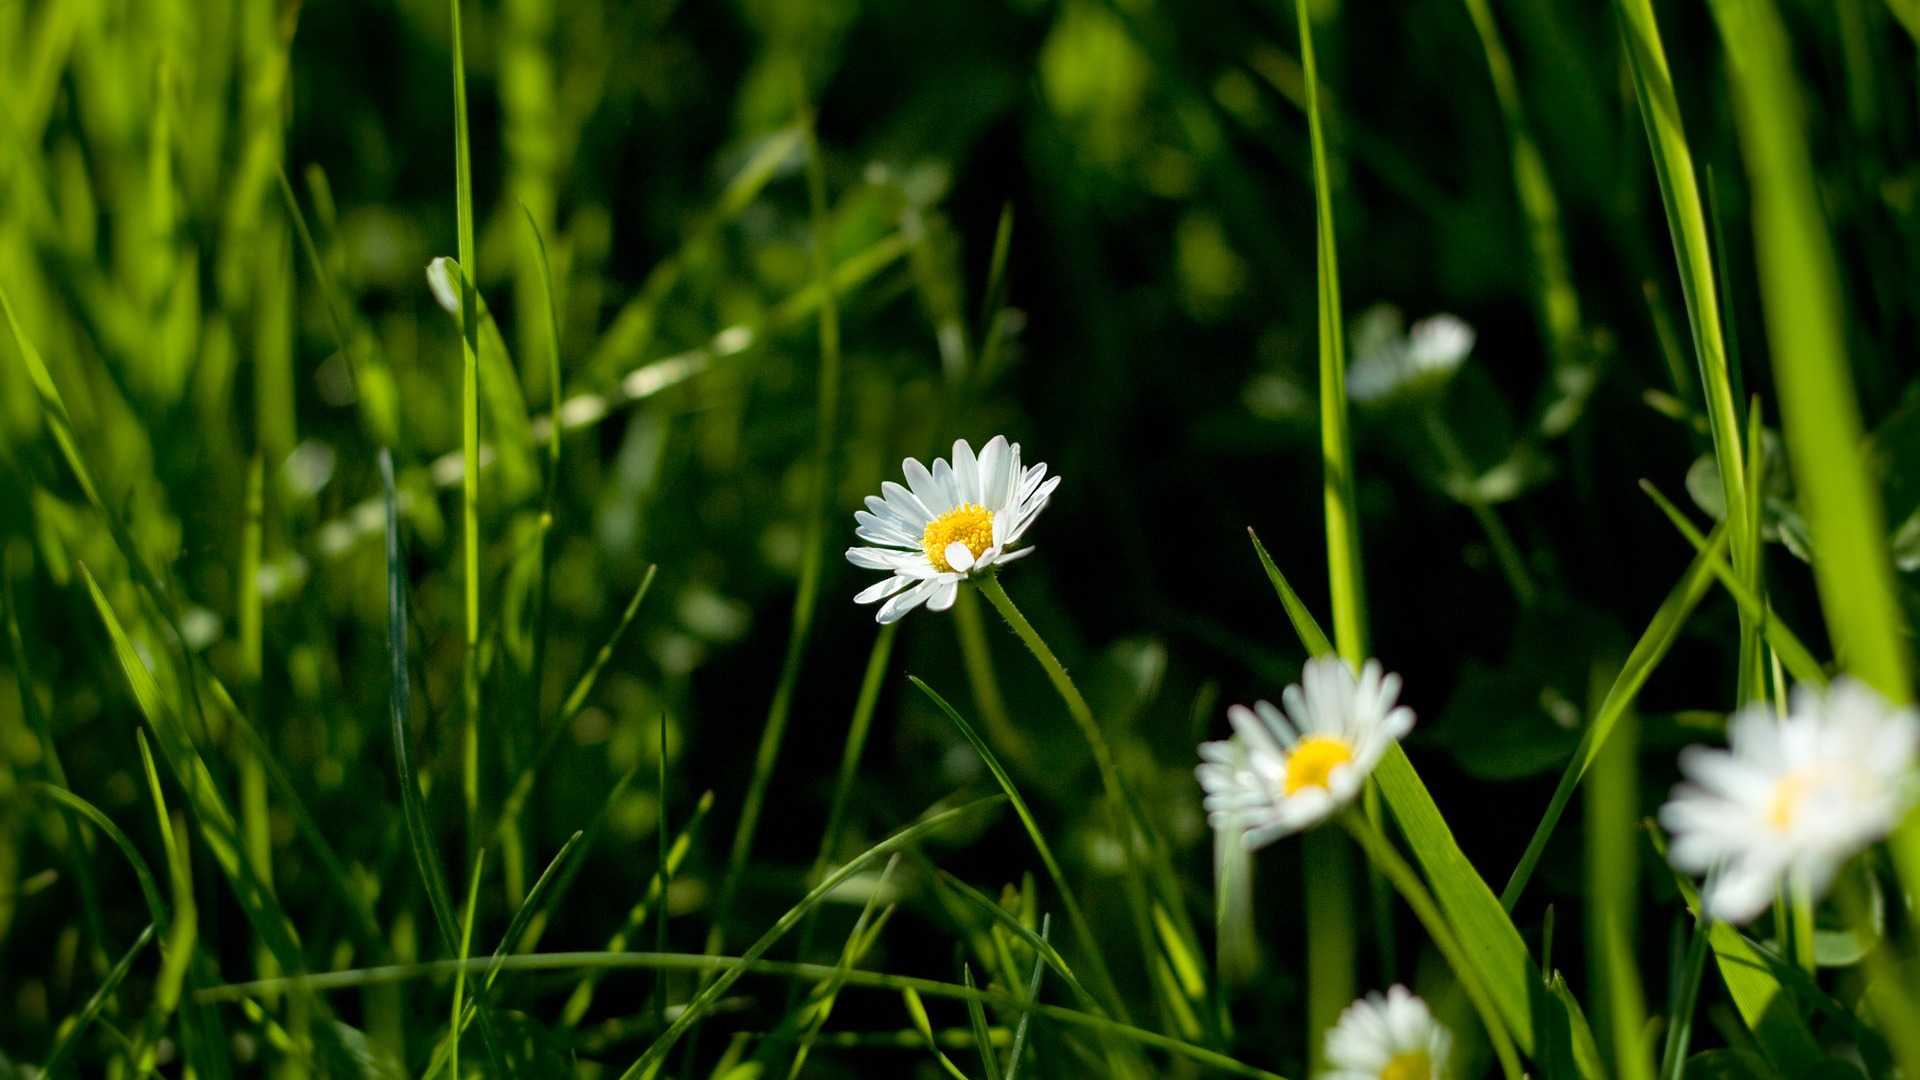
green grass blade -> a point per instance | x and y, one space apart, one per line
469 439
982 1035
149 888
1487 935
977 900
1647 653
218 829
1381 853
1096 962
1819 406
537 669
1336 442
77 1025
917 1012
420 835
1673 1057
1680 195
582 998
1786 645
1311 636
1764 1005
1017 1050
813 1015
460 976
657 1052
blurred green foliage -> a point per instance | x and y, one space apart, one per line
216 218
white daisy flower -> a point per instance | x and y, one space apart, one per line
948 524
1793 799
1284 772
1385 362
1387 1037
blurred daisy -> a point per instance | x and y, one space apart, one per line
948 524
1387 1037
1283 772
1387 362
1793 799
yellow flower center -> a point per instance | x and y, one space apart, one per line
1412 1065
1312 760
1788 794
968 523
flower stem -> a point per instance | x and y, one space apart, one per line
1504 549
1129 831
1382 854
1077 705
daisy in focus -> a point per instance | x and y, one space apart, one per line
948 524
1282 772
1387 1037
1794 799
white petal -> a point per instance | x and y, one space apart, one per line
996 478
883 588
966 471
921 481
943 597
896 608
959 556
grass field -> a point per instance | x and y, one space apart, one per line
431 435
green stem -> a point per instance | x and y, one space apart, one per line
978 659
1126 825
1381 852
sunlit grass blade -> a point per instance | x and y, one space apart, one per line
734 967
1486 932
1686 221
1110 996
176 952
1805 318
917 1012
217 827
157 908
469 441
570 708
420 834
1336 442
694 1009
982 1036
1764 1005
582 998
76 1026
460 974
1017 1051
1381 853
1311 636
1786 645
1043 949
812 1016
1647 653
1673 1056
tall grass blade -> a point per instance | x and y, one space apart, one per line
469 438
76 1026
657 1052
1693 257
1016 1052
1819 406
1096 962
1786 645
1647 653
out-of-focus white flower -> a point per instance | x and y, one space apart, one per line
1391 1036
948 524
1284 772
1791 800
1387 363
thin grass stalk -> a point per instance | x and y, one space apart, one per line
469 440
1381 853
